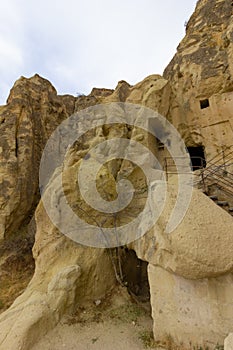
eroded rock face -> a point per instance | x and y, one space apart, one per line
67 274
192 312
32 112
203 62
228 343
55 254
200 75
189 275
194 249
36 311
191 269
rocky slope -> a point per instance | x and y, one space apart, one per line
203 64
190 271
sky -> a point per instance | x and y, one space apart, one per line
81 44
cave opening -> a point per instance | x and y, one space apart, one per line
197 155
204 103
135 276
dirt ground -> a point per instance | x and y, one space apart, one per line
117 323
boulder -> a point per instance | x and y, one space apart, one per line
228 343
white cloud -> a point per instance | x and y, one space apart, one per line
80 44
10 53
11 46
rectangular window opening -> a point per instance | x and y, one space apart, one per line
204 103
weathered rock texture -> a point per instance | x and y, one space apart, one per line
191 312
194 249
200 76
32 112
38 310
190 278
202 69
66 275
228 343
190 271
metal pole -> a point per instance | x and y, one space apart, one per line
203 180
165 162
224 161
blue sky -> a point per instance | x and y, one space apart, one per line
78 44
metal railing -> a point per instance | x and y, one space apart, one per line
178 165
219 176
217 171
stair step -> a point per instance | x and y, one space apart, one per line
222 203
213 197
230 209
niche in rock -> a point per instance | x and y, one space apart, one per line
135 275
197 155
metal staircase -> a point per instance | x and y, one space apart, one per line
215 179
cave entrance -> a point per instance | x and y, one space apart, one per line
135 276
197 155
204 103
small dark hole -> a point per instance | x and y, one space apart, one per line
160 144
204 103
197 157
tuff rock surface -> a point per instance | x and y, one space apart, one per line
32 112
190 270
202 69
228 343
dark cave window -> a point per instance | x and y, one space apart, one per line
204 103
197 155
160 145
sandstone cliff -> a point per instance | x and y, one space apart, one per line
32 112
200 75
190 271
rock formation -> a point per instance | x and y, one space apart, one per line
32 112
200 75
228 343
190 270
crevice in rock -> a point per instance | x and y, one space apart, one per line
16 147
135 276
